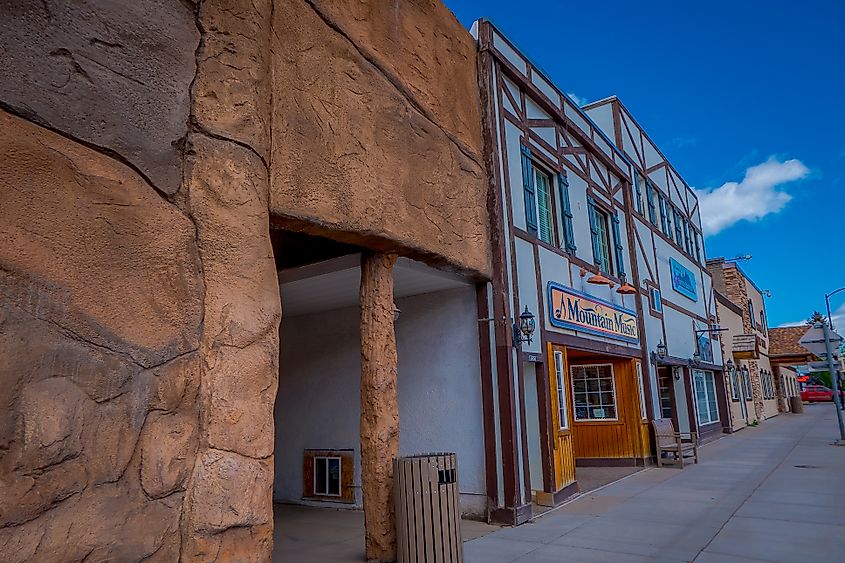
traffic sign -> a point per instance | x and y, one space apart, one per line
813 341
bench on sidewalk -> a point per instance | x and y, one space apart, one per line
676 444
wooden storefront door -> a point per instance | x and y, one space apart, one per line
561 434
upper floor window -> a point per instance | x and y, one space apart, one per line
679 237
751 313
607 239
638 191
763 322
543 183
601 238
662 204
649 195
537 188
697 246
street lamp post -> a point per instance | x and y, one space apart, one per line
834 378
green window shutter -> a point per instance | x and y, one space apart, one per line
638 189
594 231
617 240
568 231
528 191
649 195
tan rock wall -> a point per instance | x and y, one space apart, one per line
139 303
377 128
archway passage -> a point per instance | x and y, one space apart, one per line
331 354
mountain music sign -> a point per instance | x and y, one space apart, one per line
578 311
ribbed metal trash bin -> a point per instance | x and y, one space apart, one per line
428 515
796 405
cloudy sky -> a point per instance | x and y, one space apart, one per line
746 98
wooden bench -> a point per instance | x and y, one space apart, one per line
675 443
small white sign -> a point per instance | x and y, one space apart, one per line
598 413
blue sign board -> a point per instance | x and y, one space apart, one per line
683 280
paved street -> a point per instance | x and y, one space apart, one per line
771 493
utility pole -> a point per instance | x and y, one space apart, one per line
834 377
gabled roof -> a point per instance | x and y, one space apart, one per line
783 341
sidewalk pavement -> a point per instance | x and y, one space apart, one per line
770 493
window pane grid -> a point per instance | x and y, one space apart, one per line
593 392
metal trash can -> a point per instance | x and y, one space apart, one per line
796 405
428 515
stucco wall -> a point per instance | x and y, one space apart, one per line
439 389
377 128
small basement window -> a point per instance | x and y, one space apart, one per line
326 476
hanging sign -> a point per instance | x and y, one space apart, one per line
683 280
577 311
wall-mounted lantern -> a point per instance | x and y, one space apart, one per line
730 365
524 329
661 353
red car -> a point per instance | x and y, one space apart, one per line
814 393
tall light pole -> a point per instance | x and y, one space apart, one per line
827 297
834 377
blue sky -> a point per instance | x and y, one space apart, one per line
743 92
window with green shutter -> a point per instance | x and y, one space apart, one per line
601 240
697 246
542 183
529 196
649 195
617 242
679 238
638 191
662 204
568 231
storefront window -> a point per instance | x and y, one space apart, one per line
594 392
563 418
643 412
705 397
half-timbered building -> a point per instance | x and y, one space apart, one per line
573 394
674 287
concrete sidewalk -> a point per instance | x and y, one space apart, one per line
771 493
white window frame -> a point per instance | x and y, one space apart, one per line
707 397
562 407
339 476
643 411
655 300
613 390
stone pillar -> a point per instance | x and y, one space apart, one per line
379 404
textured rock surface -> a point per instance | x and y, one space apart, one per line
98 325
105 73
379 404
360 144
139 304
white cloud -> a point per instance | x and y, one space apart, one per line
577 99
756 196
837 316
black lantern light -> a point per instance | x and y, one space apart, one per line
661 350
730 365
523 330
